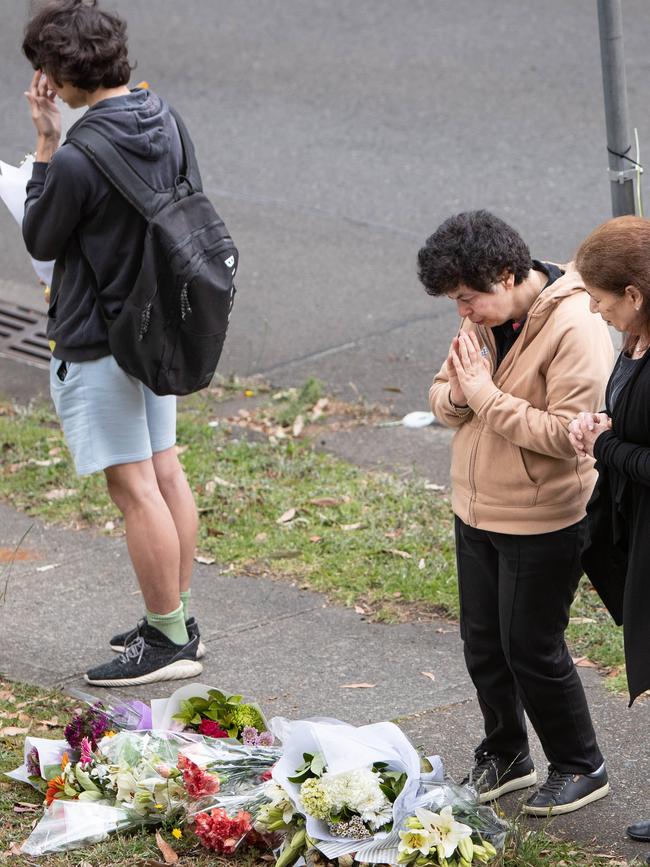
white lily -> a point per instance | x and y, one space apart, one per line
416 840
443 825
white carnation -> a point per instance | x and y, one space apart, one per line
359 791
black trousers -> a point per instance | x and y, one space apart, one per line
515 596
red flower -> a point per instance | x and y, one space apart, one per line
267 775
198 782
218 832
212 729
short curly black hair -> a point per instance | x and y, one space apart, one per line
473 249
75 42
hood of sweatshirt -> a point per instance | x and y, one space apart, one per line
140 123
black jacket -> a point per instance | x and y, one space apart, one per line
617 556
74 215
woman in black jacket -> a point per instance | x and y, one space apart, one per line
615 265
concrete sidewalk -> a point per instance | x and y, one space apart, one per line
294 652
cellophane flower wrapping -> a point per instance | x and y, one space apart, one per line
224 820
135 779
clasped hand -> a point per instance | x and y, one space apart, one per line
45 113
467 369
585 430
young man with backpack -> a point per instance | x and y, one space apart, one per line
112 422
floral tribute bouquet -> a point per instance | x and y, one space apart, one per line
365 795
219 715
110 781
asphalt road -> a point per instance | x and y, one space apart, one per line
335 135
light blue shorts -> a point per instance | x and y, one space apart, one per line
108 417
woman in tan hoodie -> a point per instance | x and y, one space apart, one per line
527 357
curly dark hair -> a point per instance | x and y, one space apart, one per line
74 41
474 249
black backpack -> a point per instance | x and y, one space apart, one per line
171 329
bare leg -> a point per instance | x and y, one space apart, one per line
151 535
180 502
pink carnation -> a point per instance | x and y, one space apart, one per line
198 782
218 832
212 729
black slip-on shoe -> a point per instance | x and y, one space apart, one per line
566 792
493 775
639 831
150 658
120 642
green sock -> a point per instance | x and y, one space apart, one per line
172 625
185 599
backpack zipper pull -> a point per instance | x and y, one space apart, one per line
145 319
185 302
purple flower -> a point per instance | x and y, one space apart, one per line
90 724
73 732
33 763
252 738
249 736
265 739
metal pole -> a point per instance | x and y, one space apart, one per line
621 171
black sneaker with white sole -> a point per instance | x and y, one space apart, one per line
149 658
493 775
566 792
120 642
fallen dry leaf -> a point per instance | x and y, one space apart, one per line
14 849
398 553
394 534
584 662
298 426
287 516
261 537
7 695
359 609
24 807
60 493
429 674
49 723
48 567
357 685
329 501
348 527
315 538
12 731
168 853
11 555
580 620
206 561
433 487
223 483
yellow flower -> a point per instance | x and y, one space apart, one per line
159 806
109 734
249 393
176 832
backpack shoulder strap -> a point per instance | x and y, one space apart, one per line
113 165
190 164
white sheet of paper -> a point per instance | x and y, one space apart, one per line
13 183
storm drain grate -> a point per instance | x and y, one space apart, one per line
22 335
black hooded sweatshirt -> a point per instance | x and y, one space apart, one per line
74 215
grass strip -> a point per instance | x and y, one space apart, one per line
279 508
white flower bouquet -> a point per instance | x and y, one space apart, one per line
365 795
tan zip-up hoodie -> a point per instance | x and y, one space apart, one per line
513 469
